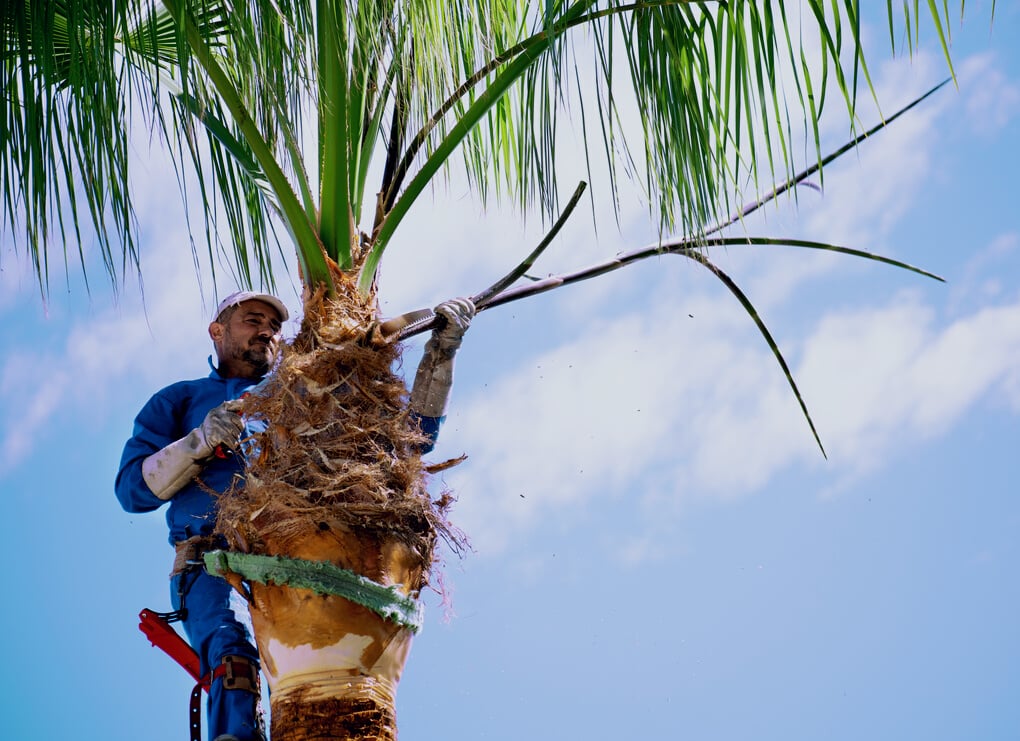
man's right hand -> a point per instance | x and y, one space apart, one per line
169 470
221 426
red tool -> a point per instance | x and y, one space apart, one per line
161 635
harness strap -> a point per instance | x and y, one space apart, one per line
236 673
195 713
188 553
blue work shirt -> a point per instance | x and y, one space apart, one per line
168 416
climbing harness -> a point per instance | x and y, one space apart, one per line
235 672
188 553
239 672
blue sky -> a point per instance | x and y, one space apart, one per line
659 549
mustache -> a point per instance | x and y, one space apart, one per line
261 356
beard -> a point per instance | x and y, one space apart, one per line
260 356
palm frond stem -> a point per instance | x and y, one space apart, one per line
803 175
335 209
311 256
699 258
481 299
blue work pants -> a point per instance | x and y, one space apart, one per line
217 625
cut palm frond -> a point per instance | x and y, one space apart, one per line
699 258
692 247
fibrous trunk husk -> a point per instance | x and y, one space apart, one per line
336 477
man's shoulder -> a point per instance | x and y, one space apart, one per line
188 388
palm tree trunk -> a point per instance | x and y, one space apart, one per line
332 665
336 479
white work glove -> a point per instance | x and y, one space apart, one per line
434 379
167 471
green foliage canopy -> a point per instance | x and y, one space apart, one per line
416 83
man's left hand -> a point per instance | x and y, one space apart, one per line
458 313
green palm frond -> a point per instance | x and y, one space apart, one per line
422 84
61 114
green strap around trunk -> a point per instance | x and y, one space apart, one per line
321 577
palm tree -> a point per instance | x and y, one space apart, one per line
333 535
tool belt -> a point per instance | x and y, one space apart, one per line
189 552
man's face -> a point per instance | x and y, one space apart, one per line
248 340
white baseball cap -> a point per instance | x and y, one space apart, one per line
241 296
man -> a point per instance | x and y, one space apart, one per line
183 448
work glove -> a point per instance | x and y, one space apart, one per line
169 470
458 313
221 426
434 379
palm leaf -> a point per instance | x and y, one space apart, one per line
766 335
482 83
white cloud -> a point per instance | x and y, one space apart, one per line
982 277
888 376
591 415
31 400
992 99
450 250
677 408
92 354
